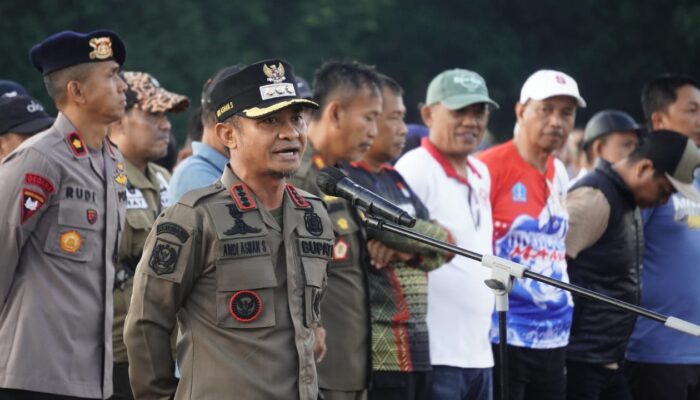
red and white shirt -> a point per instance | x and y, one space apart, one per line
459 303
529 227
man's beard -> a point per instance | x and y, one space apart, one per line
280 174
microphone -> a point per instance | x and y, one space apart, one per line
334 183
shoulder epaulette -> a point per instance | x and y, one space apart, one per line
191 198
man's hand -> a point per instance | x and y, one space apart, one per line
382 255
319 343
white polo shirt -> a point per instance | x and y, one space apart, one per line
459 303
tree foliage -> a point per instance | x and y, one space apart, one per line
611 48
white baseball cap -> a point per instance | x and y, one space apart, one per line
547 83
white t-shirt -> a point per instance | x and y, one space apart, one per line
459 303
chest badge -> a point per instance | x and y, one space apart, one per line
313 223
240 227
70 241
245 306
91 216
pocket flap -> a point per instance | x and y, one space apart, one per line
247 273
314 270
78 214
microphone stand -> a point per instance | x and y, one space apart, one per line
502 274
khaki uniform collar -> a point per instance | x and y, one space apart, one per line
138 179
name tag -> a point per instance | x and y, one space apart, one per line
135 199
244 248
315 248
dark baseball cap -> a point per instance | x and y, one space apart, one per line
11 89
213 81
609 121
257 90
676 156
23 114
68 48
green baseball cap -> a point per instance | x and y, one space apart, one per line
458 88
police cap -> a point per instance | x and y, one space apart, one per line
68 48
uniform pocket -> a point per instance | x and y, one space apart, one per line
315 276
74 235
245 293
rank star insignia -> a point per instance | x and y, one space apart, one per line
76 144
70 241
120 166
101 48
245 306
274 73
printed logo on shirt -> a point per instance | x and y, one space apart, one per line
519 193
91 215
245 306
686 211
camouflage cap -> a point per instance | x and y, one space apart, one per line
145 92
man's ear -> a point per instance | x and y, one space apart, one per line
333 113
596 148
519 111
658 120
225 132
426 114
643 168
75 92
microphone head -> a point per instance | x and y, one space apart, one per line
328 178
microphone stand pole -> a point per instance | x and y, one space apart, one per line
502 274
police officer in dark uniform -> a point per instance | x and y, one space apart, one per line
238 266
63 202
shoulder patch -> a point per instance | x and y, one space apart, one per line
31 203
164 256
174 229
241 195
76 144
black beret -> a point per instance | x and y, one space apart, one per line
257 90
68 48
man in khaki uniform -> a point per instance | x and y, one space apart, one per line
239 266
343 130
63 201
142 136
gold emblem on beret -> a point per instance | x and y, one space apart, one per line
102 48
274 73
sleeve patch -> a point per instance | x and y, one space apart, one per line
31 203
39 181
174 229
164 257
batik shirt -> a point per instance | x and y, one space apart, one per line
529 227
